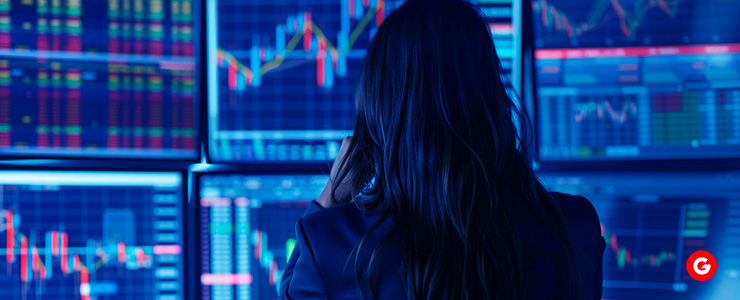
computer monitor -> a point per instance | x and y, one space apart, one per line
281 75
99 79
652 222
247 230
91 235
637 80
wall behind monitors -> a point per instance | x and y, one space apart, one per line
91 78
91 235
247 231
623 80
653 222
281 75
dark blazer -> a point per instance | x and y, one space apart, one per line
322 265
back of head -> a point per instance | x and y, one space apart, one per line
436 150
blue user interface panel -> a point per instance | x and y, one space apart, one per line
94 78
247 231
91 235
653 222
281 74
632 79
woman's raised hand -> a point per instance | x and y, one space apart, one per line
343 188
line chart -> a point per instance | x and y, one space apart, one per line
629 18
282 75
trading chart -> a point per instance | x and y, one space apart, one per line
247 231
90 235
282 74
637 79
652 223
111 78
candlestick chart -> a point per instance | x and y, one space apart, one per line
71 240
88 78
247 229
651 229
282 76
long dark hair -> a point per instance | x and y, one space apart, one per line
437 153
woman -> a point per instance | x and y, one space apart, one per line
434 196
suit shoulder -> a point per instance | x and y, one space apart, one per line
577 209
344 214
340 226
333 234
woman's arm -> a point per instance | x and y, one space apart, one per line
301 278
288 272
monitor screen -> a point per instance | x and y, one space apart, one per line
247 231
113 78
631 80
653 222
91 235
281 75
